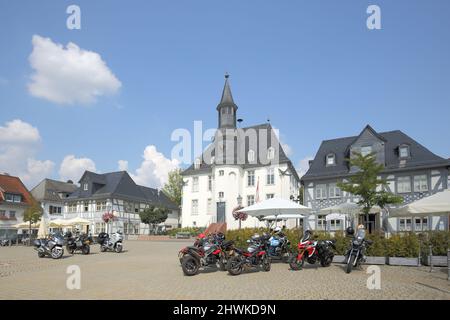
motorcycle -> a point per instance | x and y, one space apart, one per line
206 252
355 254
312 251
280 246
113 243
255 255
53 246
80 242
4 242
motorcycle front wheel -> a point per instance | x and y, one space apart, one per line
234 266
118 248
295 264
190 265
57 252
350 263
86 249
103 249
41 254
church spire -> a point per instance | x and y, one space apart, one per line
227 108
227 97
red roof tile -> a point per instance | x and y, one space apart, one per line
10 184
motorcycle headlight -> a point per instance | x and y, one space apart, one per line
356 243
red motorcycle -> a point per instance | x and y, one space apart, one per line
255 255
312 251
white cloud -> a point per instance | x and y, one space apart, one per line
154 169
18 131
123 165
19 145
303 165
68 75
72 168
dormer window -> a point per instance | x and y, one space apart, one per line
85 187
403 152
197 164
365 151
331 159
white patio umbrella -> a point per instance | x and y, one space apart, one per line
26 225
43 229
274 207
78 221
285 217
58 223
438 204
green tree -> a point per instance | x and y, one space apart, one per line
173 189
32 214
153 215
367 184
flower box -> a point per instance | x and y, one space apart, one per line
375 260
400 261
438 261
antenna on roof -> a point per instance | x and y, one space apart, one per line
240 121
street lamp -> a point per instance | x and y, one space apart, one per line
239 200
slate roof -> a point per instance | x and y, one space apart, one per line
13 185
271 141
420 156
120 185
49 190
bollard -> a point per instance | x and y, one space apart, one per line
448 264
431 258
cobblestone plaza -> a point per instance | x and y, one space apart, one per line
151 270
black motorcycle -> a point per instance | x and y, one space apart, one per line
79 242
52 246
355 255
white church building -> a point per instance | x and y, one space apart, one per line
240 167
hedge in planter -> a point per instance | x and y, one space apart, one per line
403 245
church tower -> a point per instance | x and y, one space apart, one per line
227 108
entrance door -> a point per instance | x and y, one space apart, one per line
220 212
371 224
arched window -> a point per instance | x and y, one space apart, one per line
251 156
331 159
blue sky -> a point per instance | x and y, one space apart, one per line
312 67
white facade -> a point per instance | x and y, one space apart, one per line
126 213
200 202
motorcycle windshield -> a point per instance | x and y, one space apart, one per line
360 235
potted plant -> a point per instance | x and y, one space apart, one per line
438 242
376 253
108 217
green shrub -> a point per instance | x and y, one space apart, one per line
439 240
194 231
403 245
